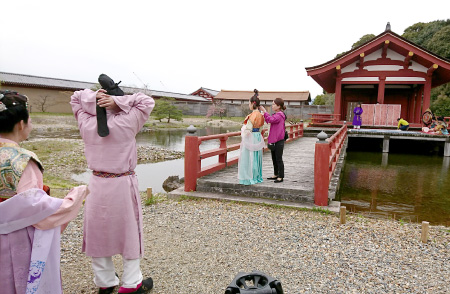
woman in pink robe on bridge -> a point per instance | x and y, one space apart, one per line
30 221
113 213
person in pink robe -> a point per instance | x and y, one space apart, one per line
113 213
30 220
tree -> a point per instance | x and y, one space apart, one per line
217 108
324 99
434 36
44 101
361 41
165 108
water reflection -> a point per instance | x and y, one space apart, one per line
174 139
153 174
411 187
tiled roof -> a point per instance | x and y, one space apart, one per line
210 91
28 80
264 95
53 83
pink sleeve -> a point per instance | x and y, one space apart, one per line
67 211
83 105
31 177
137 108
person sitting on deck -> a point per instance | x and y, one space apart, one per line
441 127
403 125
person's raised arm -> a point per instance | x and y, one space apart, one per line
137 108
275 118
84 102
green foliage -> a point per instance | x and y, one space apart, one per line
363 40
324 99
441 106
166 109
321 210
156 198
434 36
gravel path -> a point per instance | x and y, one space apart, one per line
199 246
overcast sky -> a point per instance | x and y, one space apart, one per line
180 46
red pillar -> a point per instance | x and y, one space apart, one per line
381 86
191 163
426 94
338 98
411 100
321 172
417 113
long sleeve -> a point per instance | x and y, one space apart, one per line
67 211
137 108
247 129
31 178
272 119
83 105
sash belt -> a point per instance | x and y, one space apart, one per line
255 130
112 175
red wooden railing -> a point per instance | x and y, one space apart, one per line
324 117
326 155
193 157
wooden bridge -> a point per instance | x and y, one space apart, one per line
302 185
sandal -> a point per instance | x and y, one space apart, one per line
272 178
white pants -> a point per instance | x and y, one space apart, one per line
105 273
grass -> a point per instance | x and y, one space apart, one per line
156 198
60 160
321 210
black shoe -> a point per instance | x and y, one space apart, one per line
146 286
272 178
107 290
278 181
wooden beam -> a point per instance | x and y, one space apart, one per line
338 70
361 60
399 73
432 69
407 60
385 46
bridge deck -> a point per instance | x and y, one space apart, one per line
297 189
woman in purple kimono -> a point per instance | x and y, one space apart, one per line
113 213
357 121
30 221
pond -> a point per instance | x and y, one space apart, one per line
410 187
406 187
153 174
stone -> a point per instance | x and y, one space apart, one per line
171 183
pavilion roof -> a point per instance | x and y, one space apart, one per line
210 91
325 74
